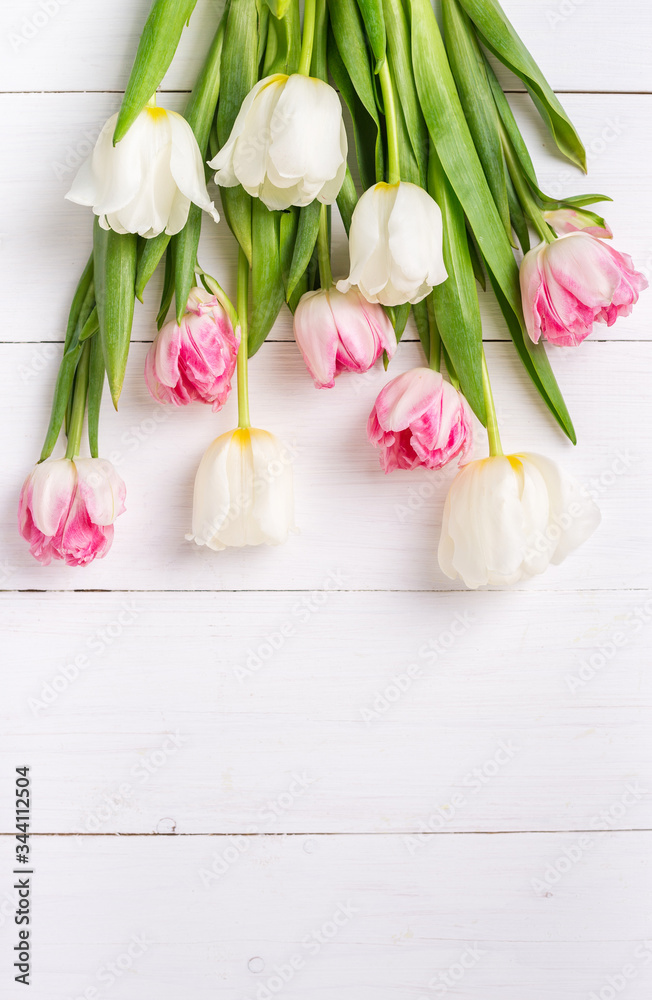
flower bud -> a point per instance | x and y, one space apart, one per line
574 220
196 360
340 331
420 420
67 509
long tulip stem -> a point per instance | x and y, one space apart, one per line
523 191
324 250
391 122
243 350
80 394
495 447
308 38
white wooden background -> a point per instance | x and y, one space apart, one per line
238 793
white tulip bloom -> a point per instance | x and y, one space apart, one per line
146 182
508 517
288 144
243 492
395 245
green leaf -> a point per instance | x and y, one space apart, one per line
457 311
283 45
400 63
499 36
184 256
399 316
149 260
450 133
374 23
278 7
95 388
78 299
157 46
268 290
200 109
420 312
168 288
366 125
536 361
467 64
518 220
115 277
304 245
239 73
347 199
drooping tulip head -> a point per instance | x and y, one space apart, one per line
420 420
243 491
340 331
196 359
574 282
395 245
507 517
146 182
288 145
67 509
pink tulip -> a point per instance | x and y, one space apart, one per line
194 361
419 419
67 509
573 282
574 220
341 331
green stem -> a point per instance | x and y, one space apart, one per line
212 285
434 359
523 191
495 447
324 250
243 350
308 37
79 403
387 88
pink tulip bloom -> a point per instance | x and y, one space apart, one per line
419 419
341 331
574 220
67 509
194 361
573 282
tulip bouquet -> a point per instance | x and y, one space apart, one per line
443 206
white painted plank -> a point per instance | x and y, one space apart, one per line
380 531
41 235
570 39
344 918
329 712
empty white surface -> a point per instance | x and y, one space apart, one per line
500 802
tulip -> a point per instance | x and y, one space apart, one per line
67 509
146 182
340 331
420 420
574 220
573 282
507 517
196 360
288 144
395 244
243 492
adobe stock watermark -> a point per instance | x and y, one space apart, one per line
269 814
617 983
402 682
111 972
312 944
476 779
583 845
96 645
448 979
260 654
596 147
33 24
122 797
560 14
593 663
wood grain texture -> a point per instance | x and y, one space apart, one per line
353 918
330 712
48 135
380 531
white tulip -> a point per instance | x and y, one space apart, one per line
146 182
395 245
243 492
288 144
508 517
